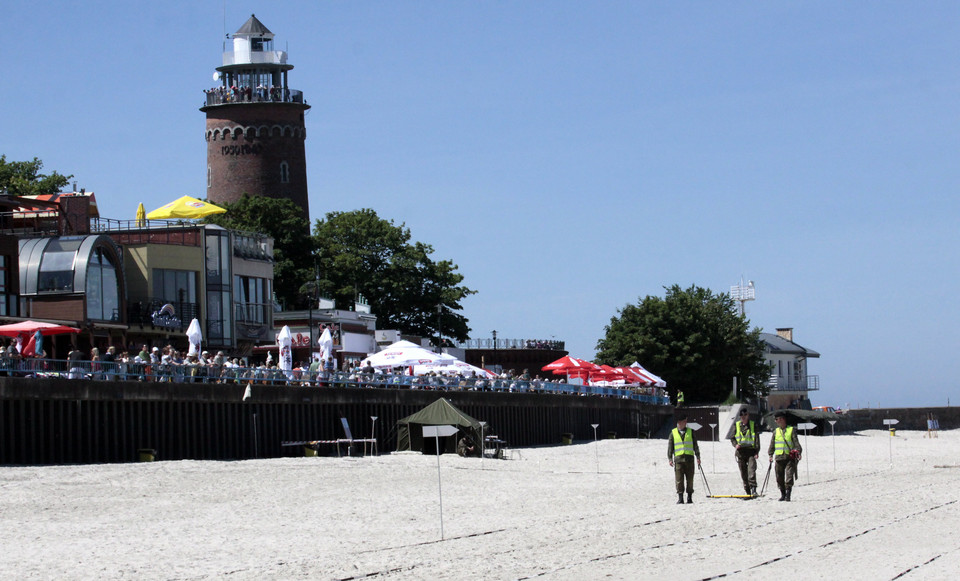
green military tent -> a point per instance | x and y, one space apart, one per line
439 413
794 417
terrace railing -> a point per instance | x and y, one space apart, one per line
134 370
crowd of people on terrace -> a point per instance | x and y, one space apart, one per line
260 93
168 364
536 344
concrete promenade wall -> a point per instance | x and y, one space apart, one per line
58 421
908 418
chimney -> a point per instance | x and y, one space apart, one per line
785 333
74 215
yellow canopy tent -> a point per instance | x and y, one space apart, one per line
185 208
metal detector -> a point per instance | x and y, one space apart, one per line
766 478
705 485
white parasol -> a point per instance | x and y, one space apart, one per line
326 344
194 336
285 340
403 354
455 366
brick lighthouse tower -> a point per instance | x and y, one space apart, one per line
255 131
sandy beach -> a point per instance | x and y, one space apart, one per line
602 510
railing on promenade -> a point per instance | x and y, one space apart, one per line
225 374
511 344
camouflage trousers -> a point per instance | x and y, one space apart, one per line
683 469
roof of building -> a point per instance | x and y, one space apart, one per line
778 345
253 27
48 204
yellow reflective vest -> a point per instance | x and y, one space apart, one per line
747 438
784 441
683 445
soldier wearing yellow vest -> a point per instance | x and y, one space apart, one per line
682 448
746 440
785 448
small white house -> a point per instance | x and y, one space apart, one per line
789 381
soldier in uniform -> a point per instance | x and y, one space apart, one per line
682 448
785 448
466 448
746 441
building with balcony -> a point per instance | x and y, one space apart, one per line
789 383
353 332
74 280
179 271
128 282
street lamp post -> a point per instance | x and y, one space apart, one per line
439 330
494 362
310 289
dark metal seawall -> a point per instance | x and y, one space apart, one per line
58 421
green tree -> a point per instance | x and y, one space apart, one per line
293 249
23 178
695 339
362 254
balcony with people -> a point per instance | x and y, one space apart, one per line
246 94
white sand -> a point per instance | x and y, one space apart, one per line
547 514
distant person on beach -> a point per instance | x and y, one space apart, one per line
466 448
682 448
785 448
746 441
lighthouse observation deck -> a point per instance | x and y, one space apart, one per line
253 72
259 94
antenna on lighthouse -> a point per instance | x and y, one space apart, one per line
743 293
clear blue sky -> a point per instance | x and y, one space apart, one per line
572 157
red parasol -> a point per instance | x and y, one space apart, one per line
31 327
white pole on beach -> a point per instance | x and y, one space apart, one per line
806 426
439 487
483 443
438 432
596 446
833 436
256 452
713 447
373 434
890 423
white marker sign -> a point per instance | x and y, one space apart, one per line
806 426
439 431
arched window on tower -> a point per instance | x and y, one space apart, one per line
284 173
209 177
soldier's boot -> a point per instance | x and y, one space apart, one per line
746 489
753 491
783 495
789 490
680 498
689 498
